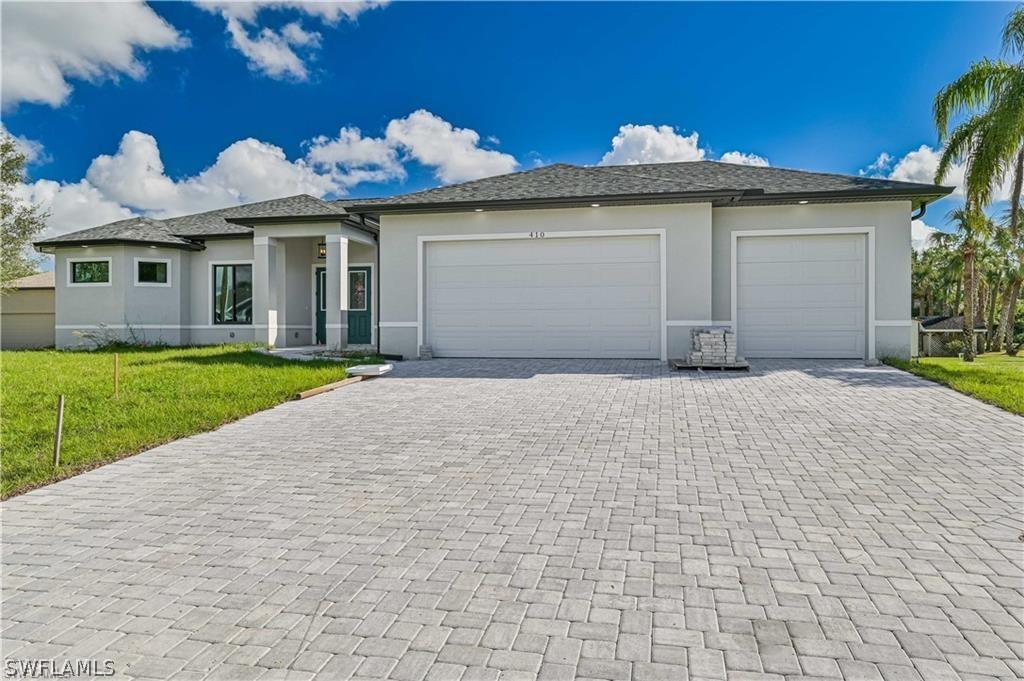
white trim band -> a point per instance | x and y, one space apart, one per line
398 325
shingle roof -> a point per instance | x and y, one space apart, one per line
41 280
698 179
141 230
182 231
944 323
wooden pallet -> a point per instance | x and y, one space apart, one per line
741 365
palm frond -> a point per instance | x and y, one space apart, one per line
971 91
1013 32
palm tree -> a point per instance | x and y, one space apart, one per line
991 138
973 229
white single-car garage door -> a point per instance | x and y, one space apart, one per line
544 297
802 296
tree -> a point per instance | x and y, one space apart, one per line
21 221
990 141
973 230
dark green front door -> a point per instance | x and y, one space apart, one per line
359 313
320 275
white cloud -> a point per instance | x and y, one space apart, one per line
919 165
664 144
32 149
352 158
455 153
920 235
268 52
133 180
649 144
739 158
282 54
247 170
72 206
45 44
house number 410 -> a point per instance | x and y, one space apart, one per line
536 235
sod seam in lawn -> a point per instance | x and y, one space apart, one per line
993 377
166 394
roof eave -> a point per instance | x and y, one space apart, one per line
557 202
40 245
246 222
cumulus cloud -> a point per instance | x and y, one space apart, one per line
739 158
32 149
664 144
352 158
47 44
454 153
247 170
920 235
652 144
133 180
71 206
919 165
285 53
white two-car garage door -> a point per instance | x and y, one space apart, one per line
544 297
801 296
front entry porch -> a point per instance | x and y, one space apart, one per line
314 285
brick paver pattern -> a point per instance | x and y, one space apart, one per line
471 519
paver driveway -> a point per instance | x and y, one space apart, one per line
509 519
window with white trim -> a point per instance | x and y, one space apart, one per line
89 272
152 272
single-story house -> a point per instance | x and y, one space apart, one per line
27 313
937 331
558 261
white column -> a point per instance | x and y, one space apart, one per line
265 285
337 291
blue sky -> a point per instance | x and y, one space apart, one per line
815 86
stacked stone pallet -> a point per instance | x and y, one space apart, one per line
715 346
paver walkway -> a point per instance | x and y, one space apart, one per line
467 519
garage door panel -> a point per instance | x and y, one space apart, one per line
571 297
801 296
802 273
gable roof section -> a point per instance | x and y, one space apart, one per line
184 231
33 281
723 184
946 323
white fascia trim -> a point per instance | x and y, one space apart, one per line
421 241
110 272
868 231
135 266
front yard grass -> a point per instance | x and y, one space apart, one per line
166 393
993 377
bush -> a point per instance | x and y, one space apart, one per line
953 346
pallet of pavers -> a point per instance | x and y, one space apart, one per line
713 348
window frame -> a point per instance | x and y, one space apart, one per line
211 300
83 284
153 284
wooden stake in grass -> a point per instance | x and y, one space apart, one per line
60 431
117 376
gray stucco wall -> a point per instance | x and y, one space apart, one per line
698 258
891 223
688 254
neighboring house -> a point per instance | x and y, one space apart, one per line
937 332
26 313
560 261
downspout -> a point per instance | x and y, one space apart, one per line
920 212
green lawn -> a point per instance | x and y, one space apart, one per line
166 393
994 378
